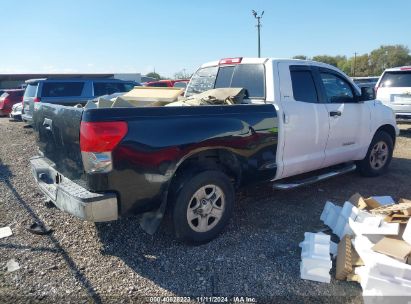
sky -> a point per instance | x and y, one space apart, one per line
75 36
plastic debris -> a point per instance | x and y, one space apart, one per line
5 232
12 265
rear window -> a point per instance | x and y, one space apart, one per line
62 89
248 76
396 79
202 80
108 88
31 90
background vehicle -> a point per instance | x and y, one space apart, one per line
296 117
394 90
8 99
69 92
16 111
179 83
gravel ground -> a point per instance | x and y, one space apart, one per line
257 256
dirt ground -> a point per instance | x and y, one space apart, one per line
257 256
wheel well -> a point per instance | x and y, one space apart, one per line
388 129
216 159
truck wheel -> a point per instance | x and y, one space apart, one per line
379 155
203 207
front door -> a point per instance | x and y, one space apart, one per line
348 118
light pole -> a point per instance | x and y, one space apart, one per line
258 28
355 61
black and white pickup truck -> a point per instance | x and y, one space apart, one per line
297 117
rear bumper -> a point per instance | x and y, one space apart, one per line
72 198
4 112
15 115
27 118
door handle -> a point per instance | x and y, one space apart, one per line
335 113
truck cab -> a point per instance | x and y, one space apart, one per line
324 117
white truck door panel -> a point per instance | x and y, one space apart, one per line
305 123
348 120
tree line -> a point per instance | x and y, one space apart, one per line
369 64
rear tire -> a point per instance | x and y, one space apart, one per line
203 207
378 156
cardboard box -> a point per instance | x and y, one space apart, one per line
397 249
364 203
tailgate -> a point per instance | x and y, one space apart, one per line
58 137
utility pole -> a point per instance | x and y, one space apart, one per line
258 29
355 62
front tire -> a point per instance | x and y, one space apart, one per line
378 156
203 207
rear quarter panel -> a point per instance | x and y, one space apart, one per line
160 139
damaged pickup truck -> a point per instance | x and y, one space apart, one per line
298 122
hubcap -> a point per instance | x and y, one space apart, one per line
206 208
379 155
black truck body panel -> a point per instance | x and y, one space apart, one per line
158 141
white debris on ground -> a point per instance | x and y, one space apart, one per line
375 246
12 265
5 232
315 254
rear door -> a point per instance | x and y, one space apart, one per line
349 119
305 120
394 89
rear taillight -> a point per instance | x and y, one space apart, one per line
101 136
37 99
230 60
97 140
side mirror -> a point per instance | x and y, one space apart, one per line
367 93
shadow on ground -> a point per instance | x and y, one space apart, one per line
5 177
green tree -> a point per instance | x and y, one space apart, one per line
326 59
389 56
154 75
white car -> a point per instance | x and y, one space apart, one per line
394 90
16 111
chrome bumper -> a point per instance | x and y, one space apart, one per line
70 197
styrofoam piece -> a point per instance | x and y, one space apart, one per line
328 205
406 236
380 264
384 200
5 232
315 245
330 214
380 285
348 211
315 270
370 227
